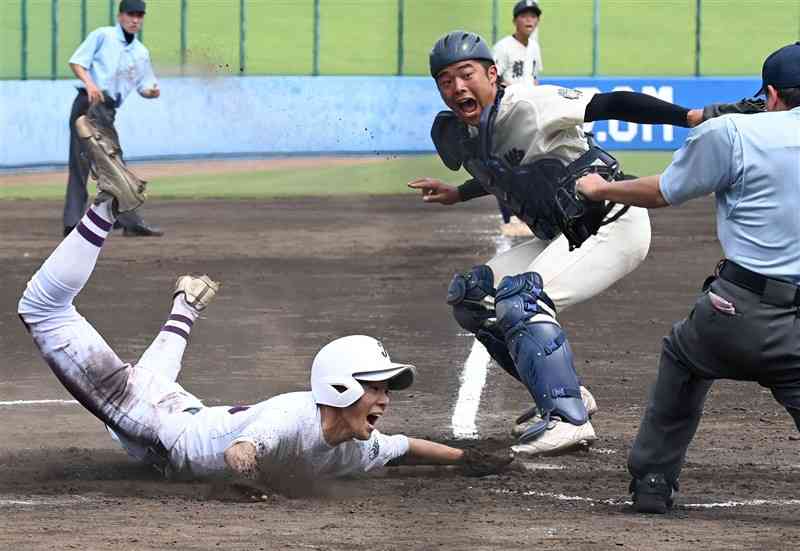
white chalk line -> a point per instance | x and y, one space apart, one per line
713 505
36 402
34 501
473 378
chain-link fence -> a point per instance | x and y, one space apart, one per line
385 37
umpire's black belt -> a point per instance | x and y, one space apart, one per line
772 291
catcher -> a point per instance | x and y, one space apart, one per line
329 431
526 146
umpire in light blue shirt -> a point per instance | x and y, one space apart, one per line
110 63
746 323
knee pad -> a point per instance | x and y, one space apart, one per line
466 293
519 298
539 348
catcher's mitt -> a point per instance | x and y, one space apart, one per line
479 463
746 106
580 218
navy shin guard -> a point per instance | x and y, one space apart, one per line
539 349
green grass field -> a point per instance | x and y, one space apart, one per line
387 177
638 37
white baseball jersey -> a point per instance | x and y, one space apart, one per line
287 433
153 417
517 62
536 121
539 120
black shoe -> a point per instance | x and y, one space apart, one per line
142 230
652 494
68 230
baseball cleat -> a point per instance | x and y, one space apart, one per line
588 401
560 437
114 179
652 494
198 291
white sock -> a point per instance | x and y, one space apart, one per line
165 355
73 261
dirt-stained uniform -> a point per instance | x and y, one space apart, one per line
151 415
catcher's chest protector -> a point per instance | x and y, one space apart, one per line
542 193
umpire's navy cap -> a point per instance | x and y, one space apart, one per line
781 69
527 5
132 6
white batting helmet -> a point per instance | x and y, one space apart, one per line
341 364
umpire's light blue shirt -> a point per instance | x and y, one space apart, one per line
752 164
114 65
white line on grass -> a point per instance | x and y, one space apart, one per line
36 402
473 377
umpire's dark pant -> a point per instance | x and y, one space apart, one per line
77 195
760 342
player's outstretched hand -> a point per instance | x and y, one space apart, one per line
435 191
480 463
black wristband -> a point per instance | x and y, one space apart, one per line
471 189
635 107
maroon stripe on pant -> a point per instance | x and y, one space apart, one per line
184 319
102 224
90 236
176 330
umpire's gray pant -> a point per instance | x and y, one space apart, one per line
760 342
77 196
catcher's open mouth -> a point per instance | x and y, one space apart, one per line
468 106
372 418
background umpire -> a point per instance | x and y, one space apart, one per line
746 324
110 63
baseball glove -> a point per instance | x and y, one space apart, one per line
101 144
580 218
746 106
479 463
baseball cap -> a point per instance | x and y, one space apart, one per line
132 6
781 69
527 5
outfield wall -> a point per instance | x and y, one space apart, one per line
300 115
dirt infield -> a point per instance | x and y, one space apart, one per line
297 273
